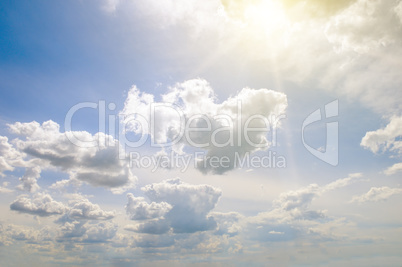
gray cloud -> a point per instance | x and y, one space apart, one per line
291 215
182 207
47 147
191 204
41 205
156 227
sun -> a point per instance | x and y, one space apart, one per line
266 15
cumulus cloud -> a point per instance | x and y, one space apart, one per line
97 164
9 156
376 194
295 204
41 205
27 234
386 138
88 232
86 222
190 204
99 232
291 215
138 209
183 207
190 115
228 223
83 209
80 209
29 179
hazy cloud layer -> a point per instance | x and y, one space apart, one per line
377 194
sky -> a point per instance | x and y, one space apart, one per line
200 133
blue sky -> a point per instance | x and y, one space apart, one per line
65 202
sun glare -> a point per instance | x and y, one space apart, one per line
268 15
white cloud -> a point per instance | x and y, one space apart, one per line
291 214
220 127
83 209
228 223
29 180
41 205
138 209
296 203
365 25
62 184
353 177
183 207
397 167
27 234
71 230
9 156
385 139
47 147
191 204
99 232
377 194
87 232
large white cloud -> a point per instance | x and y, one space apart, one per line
220 126
47 147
